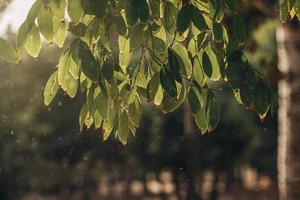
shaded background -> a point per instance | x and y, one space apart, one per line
44 156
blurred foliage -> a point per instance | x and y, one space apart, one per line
41 149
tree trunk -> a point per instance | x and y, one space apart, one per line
288 40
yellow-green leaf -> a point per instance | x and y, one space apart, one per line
60 29
123 129
75 10
33 43
45 22
51 89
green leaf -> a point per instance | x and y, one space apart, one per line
97 119
216 10
33 43
22 35
123 129
109 124
58 8
158 45
174 64
248 86
212 111
262 99
182 54
297 8
210 64
60 30
142 10
195 99
232 4
218 31
108 69
78 29
170 15
207 66
89 65
33 13
51 89
137 36
155 8
63 67
239 29
74 62
99 8
113 91
153 89
90 100
83 115
234 71
170 104
119 25
201 120
8 53
247 96
102 103
135 112
125 54
168 82
72 85
198 72
45 22
184 18
134 62
198 19
131 14
75 10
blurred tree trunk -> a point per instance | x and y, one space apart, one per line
128 179
214 195
288 41
190 160
177 184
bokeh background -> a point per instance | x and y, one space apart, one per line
43 155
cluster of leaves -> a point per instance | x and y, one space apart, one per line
289 9
125 51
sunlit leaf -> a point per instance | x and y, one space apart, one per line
58 8
51 89
45 22
33 43
201 120
102 103
75 10
123 129
83 115
182 54
59 32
